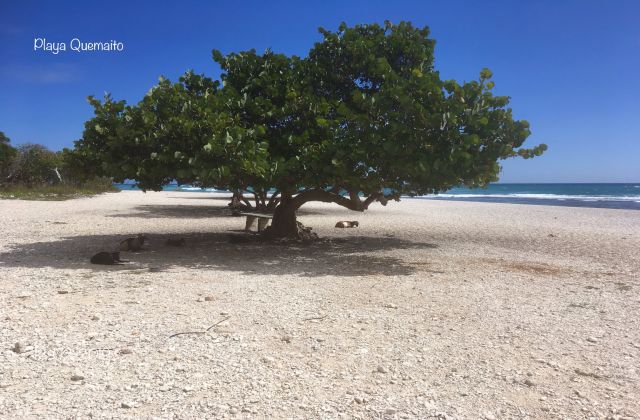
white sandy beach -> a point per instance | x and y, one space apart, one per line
428 309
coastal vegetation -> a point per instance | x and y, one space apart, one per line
364 118
7 153
31 171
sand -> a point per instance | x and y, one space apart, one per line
427 309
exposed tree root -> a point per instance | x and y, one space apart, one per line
302 234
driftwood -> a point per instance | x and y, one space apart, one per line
200 332
316 318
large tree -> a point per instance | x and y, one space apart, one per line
363 118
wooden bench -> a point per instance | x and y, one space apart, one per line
263 220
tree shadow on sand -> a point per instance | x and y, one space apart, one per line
181 211
343 257
174 211
220 197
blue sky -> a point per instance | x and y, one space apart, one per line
571 67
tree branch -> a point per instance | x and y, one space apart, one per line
352 203
353 195
273 200
274 196
263 199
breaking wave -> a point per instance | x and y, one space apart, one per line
635 198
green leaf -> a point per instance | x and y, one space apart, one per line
485 74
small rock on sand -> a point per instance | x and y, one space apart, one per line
19 348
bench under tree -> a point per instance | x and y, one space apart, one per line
263 220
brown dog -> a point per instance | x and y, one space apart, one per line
347 224
133 244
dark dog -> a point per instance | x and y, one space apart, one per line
347 224
133 244
107 258
175 242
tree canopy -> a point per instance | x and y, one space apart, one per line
364 118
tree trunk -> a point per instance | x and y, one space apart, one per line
284 223
239 203
236 199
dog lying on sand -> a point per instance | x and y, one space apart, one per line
113 258
176 242
133 244
346 224
107 258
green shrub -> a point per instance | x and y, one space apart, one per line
60 191
34 164
34 172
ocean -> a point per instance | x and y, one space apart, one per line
612 196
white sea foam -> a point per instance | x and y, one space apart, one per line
541 197
199 189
